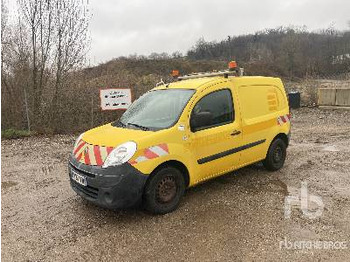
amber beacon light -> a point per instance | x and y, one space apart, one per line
232 65
175 73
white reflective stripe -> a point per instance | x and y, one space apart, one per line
81 150
286 117
158 150
280 122
141 159
80 142
103 153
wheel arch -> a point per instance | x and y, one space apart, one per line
176 164
282 136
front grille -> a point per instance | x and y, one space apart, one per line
81 171
87 190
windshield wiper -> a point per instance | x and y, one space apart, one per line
119 124
138 126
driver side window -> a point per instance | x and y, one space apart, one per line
214 109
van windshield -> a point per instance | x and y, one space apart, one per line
155 110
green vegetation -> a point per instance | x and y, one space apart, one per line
14 133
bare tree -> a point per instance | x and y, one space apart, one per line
58 43
71 42
37 18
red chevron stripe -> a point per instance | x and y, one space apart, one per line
109 150
87 158
149 154
79 157
79 147
164 147
97 154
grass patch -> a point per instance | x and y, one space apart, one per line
14 133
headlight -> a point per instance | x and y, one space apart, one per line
77 141
120 154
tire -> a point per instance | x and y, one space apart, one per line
164 191
276 155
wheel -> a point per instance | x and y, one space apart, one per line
276 155
164 191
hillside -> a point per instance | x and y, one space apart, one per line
286 51
74 104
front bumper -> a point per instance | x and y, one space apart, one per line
113 187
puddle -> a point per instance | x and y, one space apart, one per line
275 186
8 184
278 186
330 148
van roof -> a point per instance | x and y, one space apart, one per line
196 83
189 83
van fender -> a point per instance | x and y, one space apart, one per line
152 157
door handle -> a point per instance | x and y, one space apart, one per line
235 132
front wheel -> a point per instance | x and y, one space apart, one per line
276 155
164 191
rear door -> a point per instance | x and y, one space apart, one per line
214 144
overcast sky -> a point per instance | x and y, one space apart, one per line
123 27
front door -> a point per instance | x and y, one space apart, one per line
214 143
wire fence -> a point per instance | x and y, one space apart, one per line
79 101
78 106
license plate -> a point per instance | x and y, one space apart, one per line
78 178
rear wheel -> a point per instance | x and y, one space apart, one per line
164 191
276 155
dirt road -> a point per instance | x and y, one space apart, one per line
237 217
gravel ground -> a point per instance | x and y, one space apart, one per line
239 216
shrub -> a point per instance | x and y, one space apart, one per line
14 133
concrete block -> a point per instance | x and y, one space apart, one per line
326 96
342 97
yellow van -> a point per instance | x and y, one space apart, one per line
180 134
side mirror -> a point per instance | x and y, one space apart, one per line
200 120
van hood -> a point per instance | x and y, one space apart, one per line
111 136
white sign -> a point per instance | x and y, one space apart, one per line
115 98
